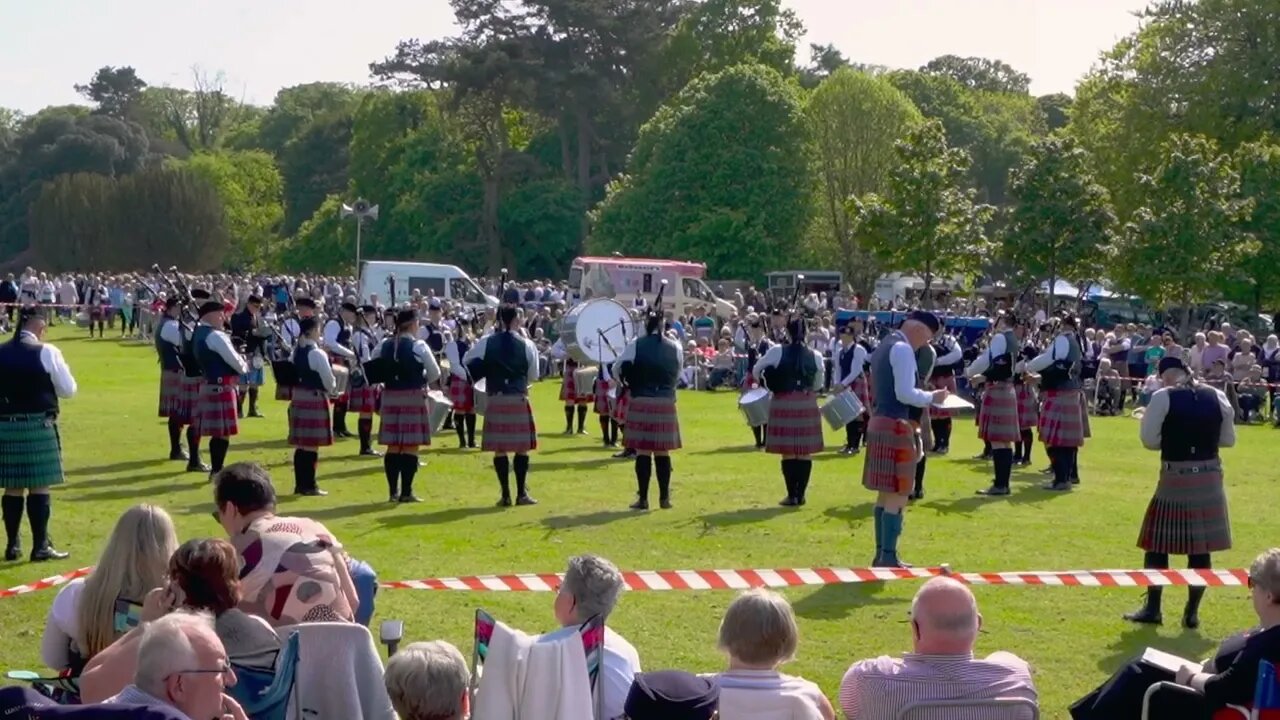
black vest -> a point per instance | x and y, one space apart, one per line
307 376
845 360
926 359
25 386
344 333
1064 373
506 368
795 372
435 338
408 368
655 370
1002 365
190 363
212 365
170 356
1191 429
940 349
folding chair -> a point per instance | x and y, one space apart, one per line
1004 708
266 695
592 632
64 690
1266 697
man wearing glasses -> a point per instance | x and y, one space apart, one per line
182 665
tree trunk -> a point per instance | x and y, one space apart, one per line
566 154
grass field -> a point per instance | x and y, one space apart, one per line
725 517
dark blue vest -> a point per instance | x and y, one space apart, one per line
307 376
213 367
1001 368
1190 430
506 369
25 386
846 360
170 356
885 401
409 368
1064 373
655 370
794 372
926 357
190 362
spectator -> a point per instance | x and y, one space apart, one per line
759 634
428 681
944 625
82 619
1155 350
9 295
1251 395
1213 351
671 694
1196 362
1243 359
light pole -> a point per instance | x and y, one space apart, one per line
361 209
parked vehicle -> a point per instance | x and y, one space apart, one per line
394 282
625 279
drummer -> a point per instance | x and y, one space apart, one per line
363 400
461 391
758 345
406 417
603 406
309 428
575 399
950 359
850 361
337 342
793 373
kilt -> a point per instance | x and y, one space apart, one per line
253 378
621 405
508 425
1028 407
462 394
569 390
795 425
190 398
1062 424
946 382
97 313
862 388
999 421
215 410
30 452
283 392
171 395
601 403
892 449
364 401
652 425
406 417
1188 513
309 422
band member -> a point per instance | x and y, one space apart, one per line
509 364
461 391
793 373
291 331
1188 423
1062 422
893 445
757 347
33 376
337 342
573 398
363 397
950 361
406 414
604 407
221 366
919 417
651 366
309 423
175 404
619 408
998 422
251 343
850 363
1028 405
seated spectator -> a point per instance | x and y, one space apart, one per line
428 681
82 621
293 569
722 366
1229 679
1251 395
591 587
1110 399
181 664
759 634
944 625
671 694
1149 387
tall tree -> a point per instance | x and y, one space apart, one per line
1061 223
199 118
1056 109
926 221
315 165
116 90
1259 166
977 73
824 61
249 188
855 121
296 107
718 34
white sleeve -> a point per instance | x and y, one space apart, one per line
1227 434
220 343
61 626
905 370
680 352
169 333
820 377
770 359
54 364
476 351
1153 419
1060 349
953 356
319 362
531 356
628 354
430 368
455 362
331 330
983 362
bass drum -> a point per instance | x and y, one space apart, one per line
597 330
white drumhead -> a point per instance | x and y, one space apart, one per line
752 396
596 317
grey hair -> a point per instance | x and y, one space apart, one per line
1265 572
166 647
759 628
595 584
427 680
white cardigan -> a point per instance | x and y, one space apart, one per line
529 677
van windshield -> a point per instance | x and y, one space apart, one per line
697 289
465 290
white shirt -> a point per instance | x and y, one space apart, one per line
774 356
331 330
131 695
855 368
365 341
618 668
1158 409
455 361
1059 350
905 373
62 626
318 360
430 368
170 333
629 354
220 343
530 353
984 361
954 354
53 363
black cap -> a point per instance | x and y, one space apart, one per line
349 307
307 324
171 303
406 316
433 304
926 318
305 302
1171 362
511 296
671 695
254 300
210 306
366 309
30 312
200 294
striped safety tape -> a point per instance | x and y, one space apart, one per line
46 583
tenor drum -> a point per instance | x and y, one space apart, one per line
842 409
754 405
342 376
482 397
597 330
439 408
584 380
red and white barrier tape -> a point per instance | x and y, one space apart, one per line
46 583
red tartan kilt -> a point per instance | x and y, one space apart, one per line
602 397
364 401
999 416
652 425
171 395
462 394
1028 407
892 451
1062 423
862 389
190 398
309 422
215 415
569 390
406 418
621 405
795 425
1188 513
508 425
283 392
946 382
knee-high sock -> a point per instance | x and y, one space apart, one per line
891 530
764 433
408 469
789 477
218 452
391 467
364 426
340 416
460 427
1002 459
662 468
920 467
859 430
175 436
1073 456
1017 451
193 445
613 431
582 418
803 470
522 473
1155 561
568 418
1196 593
935 425
13 505
502 467
604 429
1027 442
253 399
39 508
986 449
758 432
241 396
471 430
644 471
1060 461
946 432
879 527
299 470
850 434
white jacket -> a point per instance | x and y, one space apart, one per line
531 677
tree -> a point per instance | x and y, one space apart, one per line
855 121
717 34
293 109
721 174
1188 238
824 61
249 188
319 244
10 121
926 222
117 91
976 73
1259 166
1061 222
1056 109
200 118
314 165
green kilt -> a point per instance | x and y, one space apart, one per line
30 452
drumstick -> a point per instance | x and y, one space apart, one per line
605 339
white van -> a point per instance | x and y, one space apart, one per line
635 281
447 282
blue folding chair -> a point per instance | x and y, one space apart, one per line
265 695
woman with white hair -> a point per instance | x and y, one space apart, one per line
428 681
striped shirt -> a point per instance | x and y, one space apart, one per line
768 695
878 689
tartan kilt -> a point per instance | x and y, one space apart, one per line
364 400
999 421
462 394
508 425
253 378
215 412
406 417
862 389
601 403
1188 513
653 425
1028 407
795 425
621 405
171 395
946 382
569 390
283 392
1062 423
30 452
190 398
892 449
309 422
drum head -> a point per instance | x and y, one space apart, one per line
753 396
586 323
438 397
482 387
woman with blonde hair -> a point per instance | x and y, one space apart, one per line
83 618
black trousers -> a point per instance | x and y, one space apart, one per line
1120 698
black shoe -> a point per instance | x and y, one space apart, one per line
1075 481
1190 621
409 499
665 503
1047 471
12 553
1024 462
178 455
1145 616
48 552
882 563
370 452
198 467
916 496
471 446
800 502
943 450
504 501
639 504
345 433
624 455
393 498
255 414
982 456
526 500
1057 487
994 491
789 501
313 492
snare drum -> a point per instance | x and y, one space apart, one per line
842 409
754 405
482 397
439 408
342 379
584 381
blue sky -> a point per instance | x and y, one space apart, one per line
47 46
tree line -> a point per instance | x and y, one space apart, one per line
688 129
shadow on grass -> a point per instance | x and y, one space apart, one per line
965 505
855 515
595 519
140 494
730 518
298 507
282 443
178 471
113 468
836 602
409 517
1130 644
536 467
730 450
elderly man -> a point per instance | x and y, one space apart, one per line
591 587
944 624
428 681
182 665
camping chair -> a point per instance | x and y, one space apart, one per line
266 695
19 703
1266 697
592 632
1004 708
64 690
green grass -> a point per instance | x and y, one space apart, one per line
725 517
